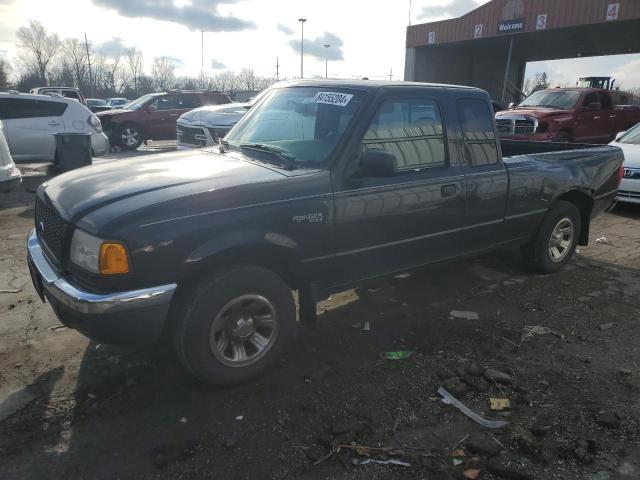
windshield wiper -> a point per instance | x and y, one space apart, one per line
286 161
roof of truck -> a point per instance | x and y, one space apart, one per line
368 84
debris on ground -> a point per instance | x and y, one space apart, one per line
464 315
449 399
183 420
14 290
366 327
398 355
530 331
494 375
499 404
606 326
391 461
471 473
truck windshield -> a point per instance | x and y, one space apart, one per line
560 99
632 136
302 124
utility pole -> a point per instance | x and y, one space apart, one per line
277 68
391 74
202 59
86 44
326 61
302 22
506 72
409 12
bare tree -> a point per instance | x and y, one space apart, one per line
4 73
163 73
39 48
135 66
76 54
117 77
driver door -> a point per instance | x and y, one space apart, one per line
163 115
408 219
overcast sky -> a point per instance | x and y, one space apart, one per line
366 36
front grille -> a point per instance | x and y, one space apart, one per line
191 135
631 173
51 229
517 126
628 194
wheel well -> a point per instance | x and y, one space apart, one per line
273 258
584 203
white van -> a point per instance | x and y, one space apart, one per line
10 176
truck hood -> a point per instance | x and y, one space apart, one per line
215 115
537 113
154 180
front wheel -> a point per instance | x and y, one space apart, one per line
129 137
235 325
555 241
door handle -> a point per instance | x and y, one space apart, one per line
449 190
54 124
596 118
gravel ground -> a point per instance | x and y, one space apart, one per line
70 408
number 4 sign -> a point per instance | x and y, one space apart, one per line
613 10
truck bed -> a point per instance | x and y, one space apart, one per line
513 148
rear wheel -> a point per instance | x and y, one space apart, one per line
235 325
128 136
555 242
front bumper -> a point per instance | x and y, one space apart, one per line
10 178
629 191
532 137
122 318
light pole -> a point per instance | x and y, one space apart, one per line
302 20
326 61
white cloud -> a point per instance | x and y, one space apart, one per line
452 9
628 76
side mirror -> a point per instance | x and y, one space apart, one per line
619 135
512 105
378 163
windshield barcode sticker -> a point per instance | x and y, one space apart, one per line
332 98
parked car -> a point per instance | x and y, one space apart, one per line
115 103
567 115
629 142
204 126
66 92
321 186
31 121
154 116
10 176
97 105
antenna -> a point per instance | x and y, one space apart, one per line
277 68
391 74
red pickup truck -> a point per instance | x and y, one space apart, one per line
582 115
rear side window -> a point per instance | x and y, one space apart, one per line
70 94
412 130
605 101
11 108
216 98
476 122
590 98
189 100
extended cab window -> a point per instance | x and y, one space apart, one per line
189 100
411 129
167 102
476 122
590 98
11 108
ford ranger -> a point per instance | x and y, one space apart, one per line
321 186
585 115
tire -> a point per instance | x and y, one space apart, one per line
555 242
251 294
128 136
563 137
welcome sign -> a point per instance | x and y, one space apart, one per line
511 26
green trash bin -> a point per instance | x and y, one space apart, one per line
73 150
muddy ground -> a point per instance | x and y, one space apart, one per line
73 409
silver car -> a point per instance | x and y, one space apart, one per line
10 176
629 142
30 122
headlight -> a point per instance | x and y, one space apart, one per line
94 122
97 255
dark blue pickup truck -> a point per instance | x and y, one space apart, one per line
321 186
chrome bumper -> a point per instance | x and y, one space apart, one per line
84 302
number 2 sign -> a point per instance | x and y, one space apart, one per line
613 10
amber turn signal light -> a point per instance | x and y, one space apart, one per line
113 259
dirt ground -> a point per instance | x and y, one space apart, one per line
74 409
